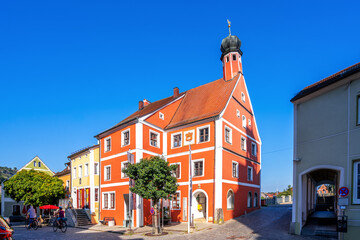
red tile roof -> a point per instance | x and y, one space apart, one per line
198 104
327 81
203 102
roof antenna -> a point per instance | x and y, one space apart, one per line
229 25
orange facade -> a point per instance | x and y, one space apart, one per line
225 152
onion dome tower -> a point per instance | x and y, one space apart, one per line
231 56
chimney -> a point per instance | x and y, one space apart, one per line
146 102
176 92
141 105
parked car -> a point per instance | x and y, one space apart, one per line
6 232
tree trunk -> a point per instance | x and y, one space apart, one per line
156 222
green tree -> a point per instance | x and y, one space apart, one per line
34 188
154 180
286 192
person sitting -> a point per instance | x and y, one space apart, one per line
60 215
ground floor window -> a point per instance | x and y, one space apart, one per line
16 210
256 199
109 200
230 200
249 200
96 194
175 201
356 183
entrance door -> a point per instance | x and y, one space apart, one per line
199 206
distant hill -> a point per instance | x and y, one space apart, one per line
6 173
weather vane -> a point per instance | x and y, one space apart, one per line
229 24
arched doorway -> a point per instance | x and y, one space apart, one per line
200 206
317 210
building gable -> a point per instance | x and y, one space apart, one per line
34 165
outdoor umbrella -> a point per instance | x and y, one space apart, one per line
49 207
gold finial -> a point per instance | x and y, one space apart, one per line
229 25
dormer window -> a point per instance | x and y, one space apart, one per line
161 115
234 57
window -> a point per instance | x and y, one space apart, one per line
243 143
177 172
96 194
228 135
34 163
67 185
234 57
112 200
161 115
242 96
96 168
74 172
255 199
125 137
230 200
80 171
154 139
107 173
177 140
106 200
86 169
356 183
358 110
249 200
250 174
124 166
198 168
203 134
244 121
39 164
237 113
249 123
175 201
227 59
107 144
253 149
235 169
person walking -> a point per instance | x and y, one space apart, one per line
31 214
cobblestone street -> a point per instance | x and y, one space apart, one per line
267 223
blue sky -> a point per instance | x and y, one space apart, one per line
70 69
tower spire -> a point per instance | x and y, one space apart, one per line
229 25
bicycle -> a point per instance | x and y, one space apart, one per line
60 224
34 224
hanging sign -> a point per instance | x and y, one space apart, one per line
343 191
189 137
152 211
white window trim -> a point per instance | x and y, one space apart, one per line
109 201
172 139
106 174
238 113
251 175
105 140
227 203
179 203
243 121
193 165
161 116
95 194
34 163
249 122
243 97
179 163
355 185
157 138
255 203
86 170
123 138
230 132
253 146
80 171
39 164
74 172
122 167
198 133
245 143
237 169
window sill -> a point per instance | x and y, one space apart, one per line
230 209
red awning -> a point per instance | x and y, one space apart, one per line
49 207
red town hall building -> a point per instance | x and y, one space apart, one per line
226 149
